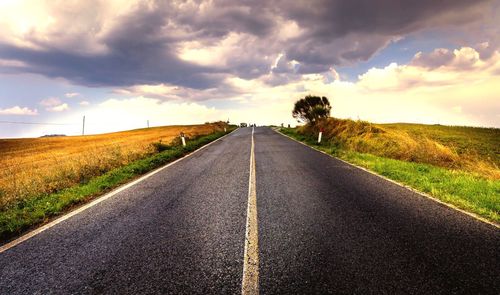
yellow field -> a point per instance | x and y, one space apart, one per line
31 166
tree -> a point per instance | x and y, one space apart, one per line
311 108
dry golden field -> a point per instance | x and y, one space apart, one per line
33 166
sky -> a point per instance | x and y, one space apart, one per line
124 63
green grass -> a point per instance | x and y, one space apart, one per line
25 214
468 191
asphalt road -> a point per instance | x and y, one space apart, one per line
323 227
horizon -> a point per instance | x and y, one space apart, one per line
50 135
124 63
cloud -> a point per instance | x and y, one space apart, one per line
84 103
437 58
10 63
465 58
17 110
72 94
440 68
198 44
50 102
58 108
54 104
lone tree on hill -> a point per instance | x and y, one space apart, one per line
311 108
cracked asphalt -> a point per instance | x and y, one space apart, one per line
325 227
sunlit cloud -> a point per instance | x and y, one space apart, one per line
58 108
72 94
54 104
17 110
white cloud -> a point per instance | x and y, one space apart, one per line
50 102
84 103
58 108
54 104
72 94
37 25
441 68
12 63
17 110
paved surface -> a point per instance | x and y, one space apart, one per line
327 227
180 231
324 227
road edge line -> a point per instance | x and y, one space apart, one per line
473 215
250 280
98 200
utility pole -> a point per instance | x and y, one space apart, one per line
148 123
83 128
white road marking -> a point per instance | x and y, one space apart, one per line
250 284
41 229
477 217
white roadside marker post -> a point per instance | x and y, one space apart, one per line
183 139
319 136
225 130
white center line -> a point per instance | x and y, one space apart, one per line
250 284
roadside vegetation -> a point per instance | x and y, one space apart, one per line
458 165
57 173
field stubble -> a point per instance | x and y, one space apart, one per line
36 166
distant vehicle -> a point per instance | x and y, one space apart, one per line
243 125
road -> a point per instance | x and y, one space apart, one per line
323 227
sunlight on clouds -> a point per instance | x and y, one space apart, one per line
462 92
289 30
210 55
17 110
438 70
40 24
54 104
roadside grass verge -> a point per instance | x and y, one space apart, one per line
27 213
468 191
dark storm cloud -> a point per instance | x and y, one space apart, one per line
345 32
329 19
142 46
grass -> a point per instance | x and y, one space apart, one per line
470 149
460 184
23 213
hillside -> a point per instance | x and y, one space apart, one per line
470 149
